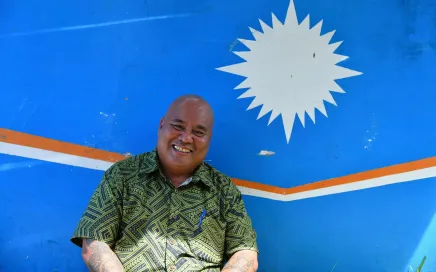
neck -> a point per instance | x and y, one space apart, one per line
175 177
177 181
174 174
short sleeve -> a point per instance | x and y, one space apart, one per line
102 217
240 234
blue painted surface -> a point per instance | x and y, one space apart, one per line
94 70
373 230
426 247
40 206
107 86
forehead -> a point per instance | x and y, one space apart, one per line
191 111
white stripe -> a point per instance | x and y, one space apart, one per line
51 156
261 194
354 186
62 158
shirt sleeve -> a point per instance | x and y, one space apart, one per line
240 234
102 218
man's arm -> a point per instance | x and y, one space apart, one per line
242 261
240 239
98 228
99 257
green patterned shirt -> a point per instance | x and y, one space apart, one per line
153 226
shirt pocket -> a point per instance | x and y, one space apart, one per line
207 236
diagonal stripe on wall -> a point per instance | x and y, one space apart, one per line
35 147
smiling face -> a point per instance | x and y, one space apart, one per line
184 136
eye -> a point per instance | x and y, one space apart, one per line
177 127
198 133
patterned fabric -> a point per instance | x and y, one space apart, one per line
153 226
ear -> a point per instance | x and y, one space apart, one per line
161 122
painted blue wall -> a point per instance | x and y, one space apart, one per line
381 229
65 76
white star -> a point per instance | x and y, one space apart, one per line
290 69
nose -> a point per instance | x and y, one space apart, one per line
186 137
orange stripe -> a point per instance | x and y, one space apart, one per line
19 138
23 139
370 174
259 186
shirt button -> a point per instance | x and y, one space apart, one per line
172 268
172 242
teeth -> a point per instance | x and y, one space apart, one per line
181 149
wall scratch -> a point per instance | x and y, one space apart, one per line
80 27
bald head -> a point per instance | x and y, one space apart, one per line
184 135
194 100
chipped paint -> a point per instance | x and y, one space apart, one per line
266 153
127 155
107 114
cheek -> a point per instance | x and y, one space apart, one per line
169 135
202 143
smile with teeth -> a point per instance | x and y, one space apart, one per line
181 149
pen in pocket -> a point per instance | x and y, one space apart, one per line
202 216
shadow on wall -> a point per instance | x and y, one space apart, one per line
424 257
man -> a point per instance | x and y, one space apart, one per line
168 210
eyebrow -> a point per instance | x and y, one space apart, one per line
177 121
197 126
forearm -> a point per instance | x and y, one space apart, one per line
99 257
242 261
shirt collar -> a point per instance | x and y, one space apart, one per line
150 164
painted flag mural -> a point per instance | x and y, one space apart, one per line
290 69
324 117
